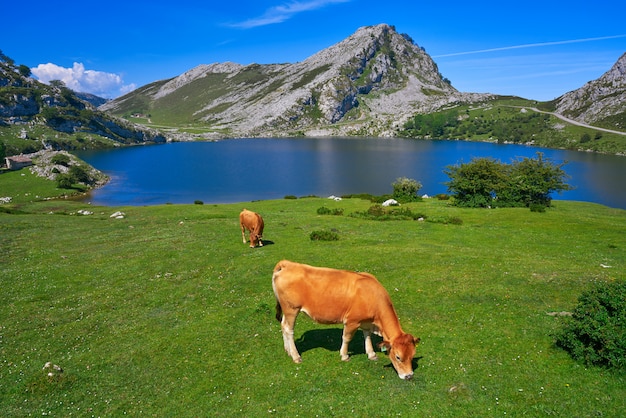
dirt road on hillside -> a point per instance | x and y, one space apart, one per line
573 122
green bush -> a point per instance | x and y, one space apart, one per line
366 196
376 210
79 174
486 182
324 236
537 207
64 181
327 211
405 190
454 220
596 332
60 159
380 213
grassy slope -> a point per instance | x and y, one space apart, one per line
485 122
167 312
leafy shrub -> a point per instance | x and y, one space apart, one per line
198 202
364 196
596 332
60 159
537 207
324 236
486 182
327 211
290 196
79 174
454 220
376 210
380 213
405 190
64 181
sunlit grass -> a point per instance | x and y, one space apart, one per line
166 312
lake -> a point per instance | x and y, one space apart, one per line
243 170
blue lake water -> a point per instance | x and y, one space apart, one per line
242 170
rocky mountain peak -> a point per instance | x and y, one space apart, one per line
369 83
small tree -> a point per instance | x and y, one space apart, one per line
485 182
24 70
64 181
532 180
79 174
476 184
405 189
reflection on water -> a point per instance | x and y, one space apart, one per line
240 170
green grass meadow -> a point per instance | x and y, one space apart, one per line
167 313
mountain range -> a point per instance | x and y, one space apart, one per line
367 84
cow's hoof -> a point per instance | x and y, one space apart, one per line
297 360
373 358
345 358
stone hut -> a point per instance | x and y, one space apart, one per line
16 162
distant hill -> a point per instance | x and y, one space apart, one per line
91 99
367 84
36 116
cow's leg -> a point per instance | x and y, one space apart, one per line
287 325
369 349
243 233
348 332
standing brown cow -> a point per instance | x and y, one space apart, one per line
331 296
253 222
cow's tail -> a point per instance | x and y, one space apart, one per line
279 312
279 309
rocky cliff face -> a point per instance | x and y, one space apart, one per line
368 84
598 100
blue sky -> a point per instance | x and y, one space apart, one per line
533 49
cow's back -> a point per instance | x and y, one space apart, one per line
327 295
251 220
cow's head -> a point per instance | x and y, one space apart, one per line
401 351
255 239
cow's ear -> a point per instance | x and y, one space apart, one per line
384 346
416 340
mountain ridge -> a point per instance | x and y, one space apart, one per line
600 100
370 83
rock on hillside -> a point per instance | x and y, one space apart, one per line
367 84
598 99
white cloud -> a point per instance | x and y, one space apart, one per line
77 78
279 14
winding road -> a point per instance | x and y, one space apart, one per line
574 122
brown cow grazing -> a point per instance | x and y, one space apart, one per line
332 296
254 223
